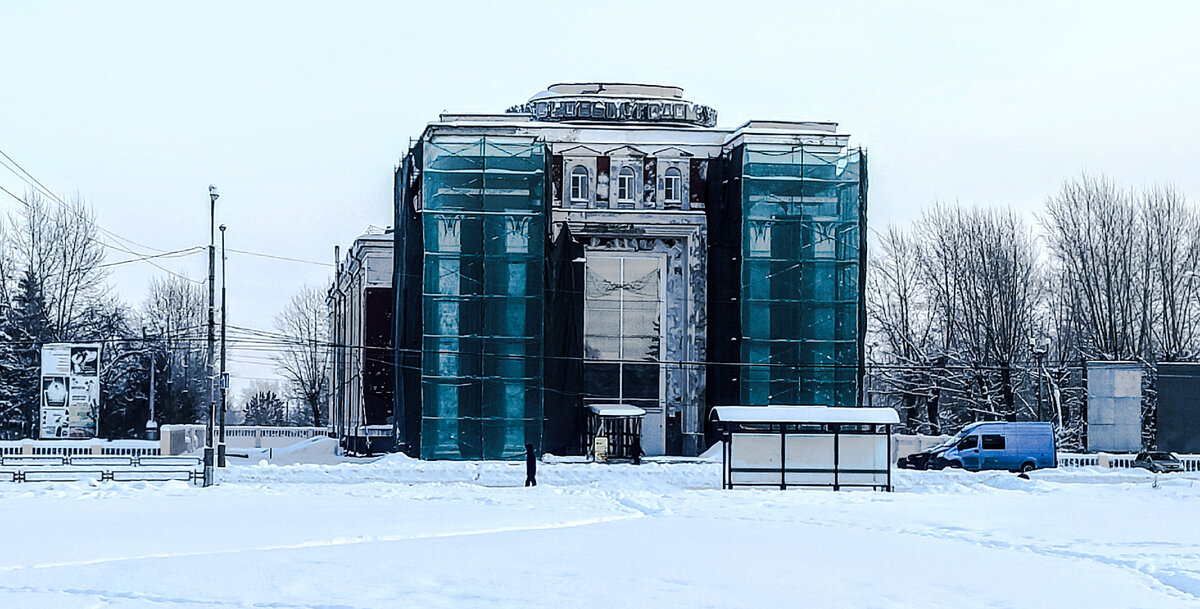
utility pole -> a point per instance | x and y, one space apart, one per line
212 234
224 374
151 425
1039 350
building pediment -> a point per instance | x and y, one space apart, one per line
672 151
580 151
626 151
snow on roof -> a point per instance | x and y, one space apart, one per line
616 410
804 414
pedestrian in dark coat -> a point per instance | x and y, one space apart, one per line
637 451
530 466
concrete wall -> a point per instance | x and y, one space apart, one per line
1114 406
905 445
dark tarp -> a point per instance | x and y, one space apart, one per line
862 277
406 282
723 212
378 357
1178 422
563 367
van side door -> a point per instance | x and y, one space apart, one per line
968 450
993 451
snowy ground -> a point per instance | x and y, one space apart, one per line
401 533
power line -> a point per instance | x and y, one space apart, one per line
277 257
41 188
175 254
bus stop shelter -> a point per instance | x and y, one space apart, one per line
621 427
813 446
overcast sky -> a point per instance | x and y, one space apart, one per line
299 111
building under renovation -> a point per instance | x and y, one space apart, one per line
361 380
608 244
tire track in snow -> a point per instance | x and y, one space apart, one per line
111 597
337 541
1181 584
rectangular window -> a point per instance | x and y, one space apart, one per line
824 241
622 318
993 442
579 187
671 188
968 443
625 187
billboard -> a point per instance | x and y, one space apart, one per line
70 390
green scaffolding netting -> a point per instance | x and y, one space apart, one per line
802 222
484 222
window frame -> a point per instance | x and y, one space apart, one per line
672 174
624 175
579 192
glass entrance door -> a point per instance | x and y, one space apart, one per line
623 313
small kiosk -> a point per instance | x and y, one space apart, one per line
816 446
620 426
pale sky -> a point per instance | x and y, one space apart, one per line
299 111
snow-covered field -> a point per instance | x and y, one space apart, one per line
403 533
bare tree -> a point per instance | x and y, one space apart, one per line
1099 239
58 241
173 316
898 309
303 359
1174 257
175 307
981 269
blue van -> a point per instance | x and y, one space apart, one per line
992 445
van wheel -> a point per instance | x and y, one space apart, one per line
1026 467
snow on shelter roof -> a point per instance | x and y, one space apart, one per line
616 410
804 414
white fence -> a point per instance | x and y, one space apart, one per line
175 440
67 448
1191 463
182 439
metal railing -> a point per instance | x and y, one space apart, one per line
100 468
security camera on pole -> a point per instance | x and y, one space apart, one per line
212 338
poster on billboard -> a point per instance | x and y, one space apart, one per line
70 390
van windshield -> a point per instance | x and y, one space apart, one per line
948 443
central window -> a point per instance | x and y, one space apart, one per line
625 185
622 329
672 185
579 184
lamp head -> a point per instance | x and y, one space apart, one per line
222 227
212 192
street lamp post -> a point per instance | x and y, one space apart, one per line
209 439
224 374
